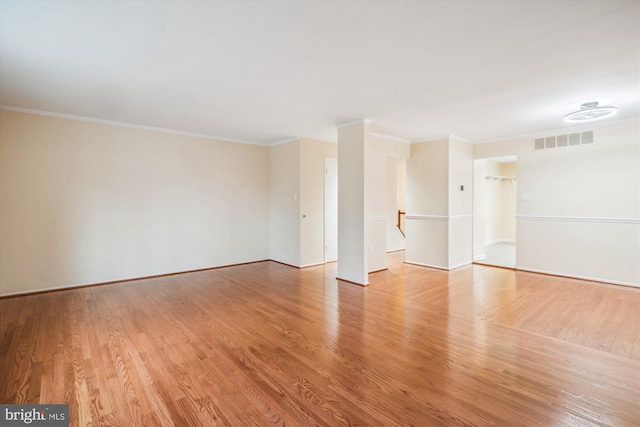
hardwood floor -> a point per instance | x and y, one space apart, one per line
267 344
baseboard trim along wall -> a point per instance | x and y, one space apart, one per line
476 258
113 282
314 264
570 276
439 267
462 264
364 285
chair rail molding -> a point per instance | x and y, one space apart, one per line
438 217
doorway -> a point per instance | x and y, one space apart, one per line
494 201
330 209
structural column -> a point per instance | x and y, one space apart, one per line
353 239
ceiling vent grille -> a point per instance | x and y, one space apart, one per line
574 139
563 140
560 141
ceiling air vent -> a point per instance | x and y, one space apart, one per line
586 137
561 141
574 139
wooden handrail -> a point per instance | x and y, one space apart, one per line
399 224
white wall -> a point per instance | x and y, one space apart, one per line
439 204
427 197
84 203
312 155
479 209
285 203
428 178
377 210
460 203
582 216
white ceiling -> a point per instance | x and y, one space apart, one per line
264 71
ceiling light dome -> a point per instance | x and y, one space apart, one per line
590 111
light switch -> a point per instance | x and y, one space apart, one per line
525 196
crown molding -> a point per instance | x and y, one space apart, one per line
284 141
392 138
125 125
461 139
354 123
434 139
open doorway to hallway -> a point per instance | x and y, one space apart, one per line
494 210
396 204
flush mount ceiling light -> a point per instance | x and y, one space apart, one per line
590 111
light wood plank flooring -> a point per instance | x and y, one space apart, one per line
266 344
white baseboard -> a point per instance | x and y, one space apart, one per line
439 267
480 257
462 264
573 276
126 279
313 264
